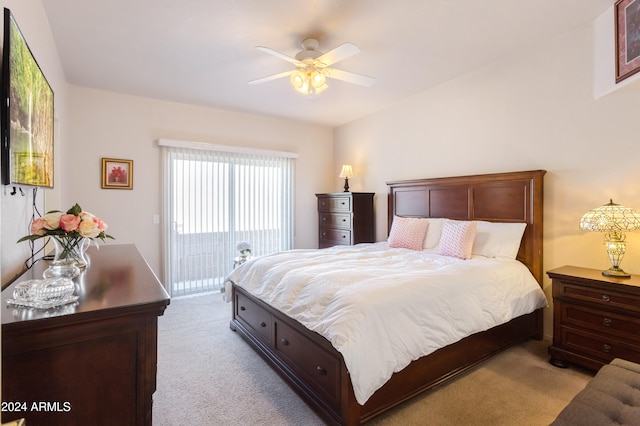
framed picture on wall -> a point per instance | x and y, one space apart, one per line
627 25
117 174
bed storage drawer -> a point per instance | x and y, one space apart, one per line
254 317
292 353
309 359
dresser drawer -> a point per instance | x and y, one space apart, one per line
253 316
603 297
335 220
335 236
602 347
334 204
622 326
311 360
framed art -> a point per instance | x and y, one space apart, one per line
627 27
117 174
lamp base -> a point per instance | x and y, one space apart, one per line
614 271
346 185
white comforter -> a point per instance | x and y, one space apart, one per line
381 308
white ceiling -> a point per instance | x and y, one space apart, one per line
202 52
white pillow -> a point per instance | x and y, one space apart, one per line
498 239
434 231
457 238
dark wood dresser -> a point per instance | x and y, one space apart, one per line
345 218
595 318
92 362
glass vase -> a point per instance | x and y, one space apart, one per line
69 257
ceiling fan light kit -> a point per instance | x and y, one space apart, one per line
313 67
309 81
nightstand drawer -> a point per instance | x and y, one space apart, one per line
604 297
622 326
335 220
334 204
602 347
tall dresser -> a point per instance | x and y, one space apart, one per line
345 218
595 318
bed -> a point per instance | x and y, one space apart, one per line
319 372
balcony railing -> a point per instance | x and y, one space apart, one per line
203 260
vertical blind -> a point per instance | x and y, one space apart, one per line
216 197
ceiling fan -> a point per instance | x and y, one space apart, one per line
314 67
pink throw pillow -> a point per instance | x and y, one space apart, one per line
457 238
408 232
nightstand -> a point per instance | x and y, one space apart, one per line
595 318
345 218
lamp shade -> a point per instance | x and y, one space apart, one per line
614 220
610 217
347 171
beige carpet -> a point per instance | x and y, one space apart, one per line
207 375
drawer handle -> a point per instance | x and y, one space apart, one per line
607 322
344 236
284 341
324 219
606 298
263 324
344 220
606 348
242 308
343 203
321 371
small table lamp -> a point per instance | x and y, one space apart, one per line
612 219
346 173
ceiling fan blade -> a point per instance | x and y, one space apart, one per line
272 77
340 53
278 54
350 77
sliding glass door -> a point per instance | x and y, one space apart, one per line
216 199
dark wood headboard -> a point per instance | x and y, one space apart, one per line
498 197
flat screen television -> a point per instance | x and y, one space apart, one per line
26 111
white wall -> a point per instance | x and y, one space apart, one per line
105 124
534 110
16 210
